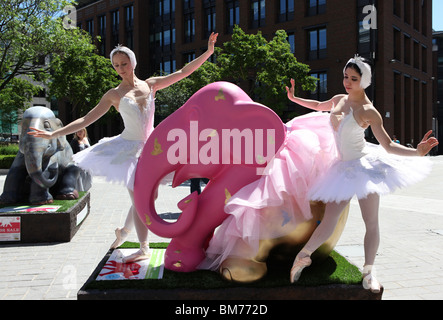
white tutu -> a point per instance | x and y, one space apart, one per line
376 172
114 158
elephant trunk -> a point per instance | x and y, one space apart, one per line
145 193
37 164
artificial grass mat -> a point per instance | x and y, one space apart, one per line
335 270
65 205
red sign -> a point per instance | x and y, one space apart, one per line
10 228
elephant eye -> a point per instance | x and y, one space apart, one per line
47 125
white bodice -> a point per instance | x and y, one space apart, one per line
138 121
350 138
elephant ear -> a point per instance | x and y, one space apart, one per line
61 141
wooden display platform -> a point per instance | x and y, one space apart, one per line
41 227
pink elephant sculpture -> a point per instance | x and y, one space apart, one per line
219 134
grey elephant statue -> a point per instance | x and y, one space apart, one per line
42 168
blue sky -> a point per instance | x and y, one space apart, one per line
437 21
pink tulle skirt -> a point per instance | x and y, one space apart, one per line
273 205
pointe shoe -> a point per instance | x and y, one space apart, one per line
141 254
369 280
121 235
299 265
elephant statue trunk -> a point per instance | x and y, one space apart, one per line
37 163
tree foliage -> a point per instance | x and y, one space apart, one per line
36 45
80 75
13 99
29 34
170 99
264 67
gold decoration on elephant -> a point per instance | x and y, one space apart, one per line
188 201
148 220
213 134
157 148
220 96
228 196
178 264
260 159
271 140
285 248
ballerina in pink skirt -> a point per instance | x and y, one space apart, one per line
324 158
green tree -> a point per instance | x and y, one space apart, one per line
29 34
264 68
13 99
80 75
173 97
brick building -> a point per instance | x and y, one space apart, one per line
397 35
438 85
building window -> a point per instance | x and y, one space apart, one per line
285 10
258 11
115 15
210 17
129 26
416 55
397 44
364 38
90 27
189 27
407 91
398 105
424 106
188 4
397 7
189 20
316 7
164 8
165 66
168 66
164 39
417 15
233 14
167 37
188 57
408 11
408 48
168 7
424 58
424 18
317 44
291 40
321 91
102 34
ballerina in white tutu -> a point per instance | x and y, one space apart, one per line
362 169
116 158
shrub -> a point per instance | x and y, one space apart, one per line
9 149
6 161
